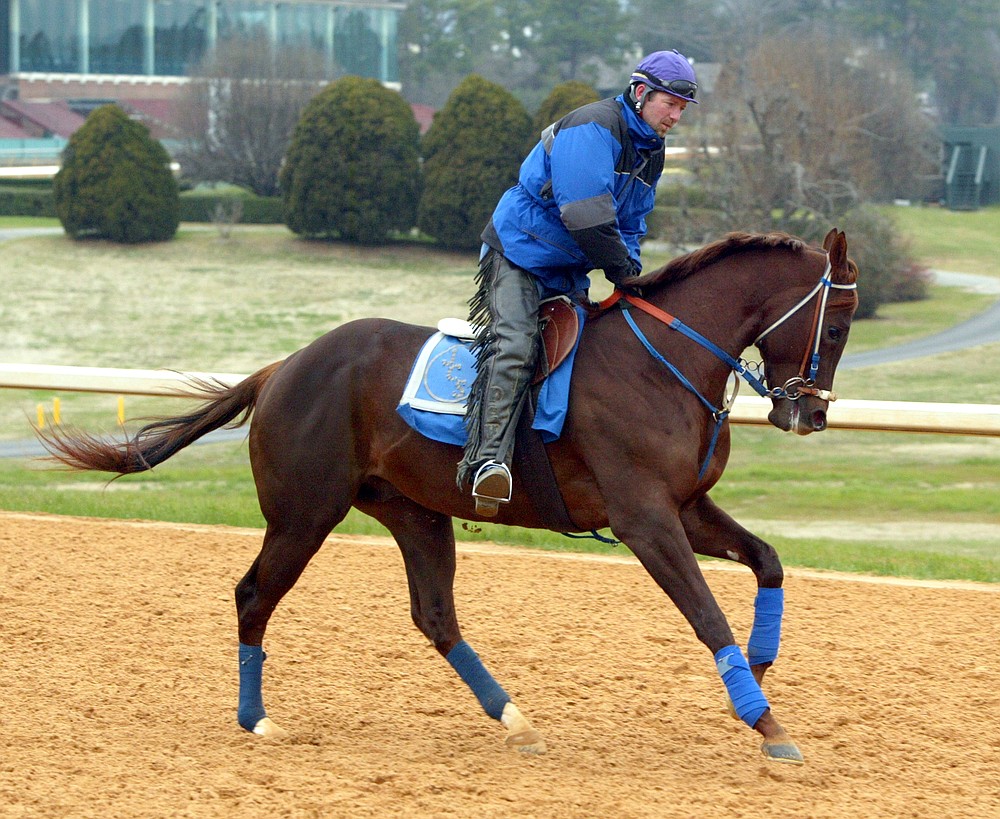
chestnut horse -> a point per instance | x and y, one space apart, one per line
645 439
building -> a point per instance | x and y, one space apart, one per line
140 52
971 166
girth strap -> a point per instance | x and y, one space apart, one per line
531 460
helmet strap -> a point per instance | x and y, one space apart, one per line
639 101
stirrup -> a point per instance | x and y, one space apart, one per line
491 487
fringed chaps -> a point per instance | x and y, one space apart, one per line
505 309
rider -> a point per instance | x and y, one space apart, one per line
580 204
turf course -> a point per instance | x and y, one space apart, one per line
914 505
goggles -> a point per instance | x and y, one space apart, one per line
680 88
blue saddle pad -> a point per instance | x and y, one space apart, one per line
437 391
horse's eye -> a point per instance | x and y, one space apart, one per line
835 333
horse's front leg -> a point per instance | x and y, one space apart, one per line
662 546
714 533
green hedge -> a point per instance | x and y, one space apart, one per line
17 199
115 182
352 170
199 206
20 198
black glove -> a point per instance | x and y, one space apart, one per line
582 297
623 283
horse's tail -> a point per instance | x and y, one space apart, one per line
164 437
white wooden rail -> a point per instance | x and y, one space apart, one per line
102 379
891 416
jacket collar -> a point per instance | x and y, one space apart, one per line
642 134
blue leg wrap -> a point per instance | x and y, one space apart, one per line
748 700
472 671
251 706
765 636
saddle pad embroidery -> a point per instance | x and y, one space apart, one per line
442 376
435 396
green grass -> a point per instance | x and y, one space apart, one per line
207 484
965 376
27 221
942 563
204 303
793 491
907 321
963 241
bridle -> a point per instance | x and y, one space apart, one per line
803 383
793 389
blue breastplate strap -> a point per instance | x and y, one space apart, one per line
748 700
719 413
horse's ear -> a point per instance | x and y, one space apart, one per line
836 248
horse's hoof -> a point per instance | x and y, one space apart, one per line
266 728
782 750
520 735
527 742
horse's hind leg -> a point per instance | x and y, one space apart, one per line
285 553
427 542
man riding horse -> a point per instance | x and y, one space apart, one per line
580 204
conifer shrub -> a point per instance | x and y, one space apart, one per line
562 99
472 153
115 182
884 257
353 169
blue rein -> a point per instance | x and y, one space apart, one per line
801 384
676 324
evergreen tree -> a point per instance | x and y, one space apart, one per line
565 97
115 182
472 154
352 170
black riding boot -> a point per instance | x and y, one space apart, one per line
506 308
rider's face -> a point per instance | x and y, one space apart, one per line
661 111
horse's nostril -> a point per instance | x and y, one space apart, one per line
819 420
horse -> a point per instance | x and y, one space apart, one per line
645 438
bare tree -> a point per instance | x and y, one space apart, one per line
240 108
808 128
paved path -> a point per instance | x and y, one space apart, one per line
20 233
981 329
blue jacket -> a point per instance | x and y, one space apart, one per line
582 197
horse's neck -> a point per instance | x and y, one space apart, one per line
722 302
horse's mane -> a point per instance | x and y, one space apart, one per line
731 243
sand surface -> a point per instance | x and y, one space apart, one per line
118 688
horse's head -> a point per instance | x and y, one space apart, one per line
804 341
